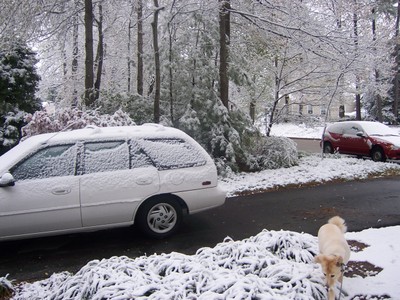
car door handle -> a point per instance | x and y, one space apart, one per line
144 180
61 191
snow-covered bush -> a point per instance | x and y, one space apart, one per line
234 142
10 130
138 107
271 265
276 152
71 118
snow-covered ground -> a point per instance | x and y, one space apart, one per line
270 265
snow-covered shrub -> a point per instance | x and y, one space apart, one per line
10 131
271 265
276 152
139 108
71 118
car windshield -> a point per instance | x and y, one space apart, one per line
378 129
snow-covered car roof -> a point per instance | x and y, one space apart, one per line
89 133
369 127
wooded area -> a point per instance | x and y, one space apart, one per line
209 67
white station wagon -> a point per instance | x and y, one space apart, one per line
96 178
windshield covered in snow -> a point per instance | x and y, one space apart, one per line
378 129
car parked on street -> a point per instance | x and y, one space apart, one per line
362 138
97 178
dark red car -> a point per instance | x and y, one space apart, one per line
362 138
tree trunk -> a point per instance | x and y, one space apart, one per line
140 48
171 96
276 99
157 83
355 31
100 54
224 37
75 53
377 96
129 59
89 77
397 68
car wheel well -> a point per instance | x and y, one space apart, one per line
160 216
377 148
328 147
159 197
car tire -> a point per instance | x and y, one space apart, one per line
159 217
377 154
328 148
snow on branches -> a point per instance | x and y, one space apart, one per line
71 118
270 265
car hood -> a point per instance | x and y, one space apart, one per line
395 140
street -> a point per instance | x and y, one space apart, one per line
363 204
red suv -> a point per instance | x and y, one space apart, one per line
362 138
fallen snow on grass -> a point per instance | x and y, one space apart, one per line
310 169
383 251
297 130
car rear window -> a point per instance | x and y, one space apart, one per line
172 153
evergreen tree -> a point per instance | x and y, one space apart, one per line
18 85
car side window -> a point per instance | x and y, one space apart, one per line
138 157
105 156
171 153
59 160
352 129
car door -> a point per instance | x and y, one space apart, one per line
116 177
45 197
352 143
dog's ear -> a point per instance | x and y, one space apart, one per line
318 258
339 261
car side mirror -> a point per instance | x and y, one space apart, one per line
360 134
7 180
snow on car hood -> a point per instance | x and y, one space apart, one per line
393 139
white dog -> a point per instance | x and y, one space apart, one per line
334 252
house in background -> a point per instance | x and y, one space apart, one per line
308 109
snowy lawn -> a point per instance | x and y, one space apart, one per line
270 265
312 169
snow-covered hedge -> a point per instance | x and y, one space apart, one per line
71 118
277 152
271 265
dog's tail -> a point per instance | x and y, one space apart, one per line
339 222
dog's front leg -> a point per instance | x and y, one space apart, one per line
331 293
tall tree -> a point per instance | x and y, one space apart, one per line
75 53
89 61
98 67
356 50
157 67
397 66
140 47
225 32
